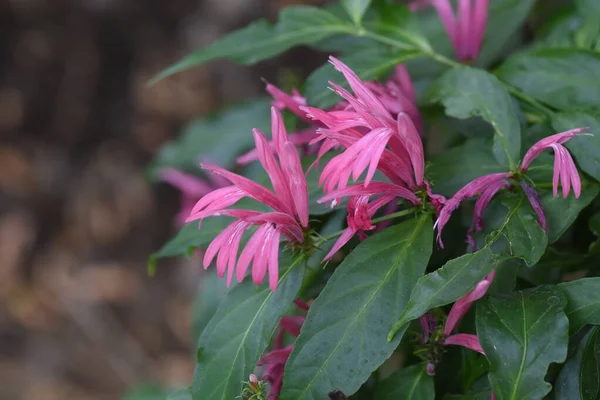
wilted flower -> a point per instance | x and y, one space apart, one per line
289 203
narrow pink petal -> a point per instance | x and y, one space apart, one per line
273 264
236 238
414 146
466 340
267 160
360 90
250 188
261 259
462 305
276 356
547 143
216 245
342 240
484 200
556 173
446 14
479 23
402 76
573 174
284 100
536 204
250 251
219 199
375 188
296 182
464 29
278 131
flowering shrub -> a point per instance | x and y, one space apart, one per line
417 221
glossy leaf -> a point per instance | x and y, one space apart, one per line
525 236
211 293
218 139
239 332
467 92
578 378
563 78
584 302
344 337
521 335
356 8
368 63
560 212
585 149
260 40
410 383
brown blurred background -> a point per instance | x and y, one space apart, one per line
79 317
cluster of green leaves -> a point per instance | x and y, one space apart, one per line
537 326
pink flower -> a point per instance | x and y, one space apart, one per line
275 359
462 305
536 204
564 167
486 186
466 29
192 189
289 203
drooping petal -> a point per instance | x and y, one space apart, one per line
484 200
462 305
536 204
466 340
342 240
186 183
218 199
250 251
273 266
263 252
547 143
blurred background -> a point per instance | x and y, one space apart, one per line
79 316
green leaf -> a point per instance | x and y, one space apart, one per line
590 8
218 139
563 78
343 339
505 18
240 331
260 40
584 302
211 293
561 212
447 284
578 378
467 92
454 279
521 335
189 238
456 167
525 236
369 64
410 383
356 8
585 149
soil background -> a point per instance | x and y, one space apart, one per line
79 317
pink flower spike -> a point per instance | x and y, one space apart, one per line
469 190
462 305
466 340
536 204
547 143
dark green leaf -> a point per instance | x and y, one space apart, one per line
458 276
468 92
369 64
189 238
410 383
459 165
563 78
521 335
505 19
584 302
239 332
578 379
218 140
211 293
343 339
447 284
585 149
261 40
525 236
356 8
396 25
561 212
